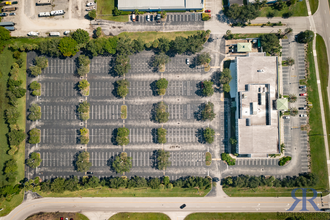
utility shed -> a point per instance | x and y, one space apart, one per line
244 47
156 5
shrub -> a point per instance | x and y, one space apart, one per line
208 134
82 162
84 136
205 17
208 88
161 135
122 87
80 36
122 136
208 113
34 160
15 137
283 160
20 62
92 14
84 87
226 157
17 54
161 113
208 158
12 114
68 46
122 163
35 112
34 136
41 62
162 86
162 159
36 88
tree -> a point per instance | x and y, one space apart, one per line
208 113
288 30
92 14
179 44
162 159
83 84
16 137
35 70
280 5
34 160
122 65
160 60
83 63
154 183
83 107
58 185
80 36
225 76
122 87
82 162
155 44
12 115
136 11
138 45
233 141
305 36
84 136
35 112
124 46
122 136
233 12
270 43
11 166
162 86
41 62
110 44
208 88
50 47
206 17
164 44
68 46
116 12
20 62
293 111
161 135
203 59
98 32
226 87
292 98
95 47
161 113
4 34
34 136
209 135
122 163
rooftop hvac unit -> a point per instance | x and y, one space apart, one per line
248 122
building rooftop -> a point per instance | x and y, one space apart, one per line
160 5
282 104
244 47
257 126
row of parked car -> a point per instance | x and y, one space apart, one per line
52 13
51 34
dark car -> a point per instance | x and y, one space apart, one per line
137 18
182 206
302 87
202 85
151 17
215 179
302 108
210 40
89 172
3 14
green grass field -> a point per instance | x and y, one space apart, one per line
314 4
14 202
139 216
57 215
105 9
136 192
150 36
298 9
258 216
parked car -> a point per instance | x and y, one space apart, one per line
90 4
158 18
66 32
302 108
302 115
137 18
151 18
302 87
12 14
148 17
182 206
215 179
61 218
303 94
286 117
207 11
202 85
89 172
187 61
32 33
3 14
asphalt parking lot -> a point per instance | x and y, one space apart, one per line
60 121
171 19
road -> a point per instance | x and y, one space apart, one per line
103 208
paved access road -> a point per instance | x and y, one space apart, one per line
103 208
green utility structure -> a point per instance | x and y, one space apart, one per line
244 47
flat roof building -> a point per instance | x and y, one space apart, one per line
153 5
43 2
256 118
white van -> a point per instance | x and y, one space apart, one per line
44 14
32 33
58 12
54 34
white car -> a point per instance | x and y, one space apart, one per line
57 12
32 33
286 117
90 4
148 17
66 32
187 61
302 115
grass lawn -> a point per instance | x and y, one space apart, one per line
298 9
123 111
139 216
316 140
138 192
233 128
14 202
257 216
244 36
57 215
208 158
105 9
314 4
150 36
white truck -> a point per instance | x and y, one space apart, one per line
44 14
57 12
54 34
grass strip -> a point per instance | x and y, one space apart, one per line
150 36
298 9
134 192
57 215
314 4
258 216
208 158
138 216
123 111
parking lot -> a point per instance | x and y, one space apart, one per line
60 121
171 19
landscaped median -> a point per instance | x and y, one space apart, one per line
140 216
208 158
123 111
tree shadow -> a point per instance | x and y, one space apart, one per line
199 135
110 162
153 113
114 91
150 64
154 88
76 88
114 136
154 135
112 71
153 159
77 136
198 113
199 90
